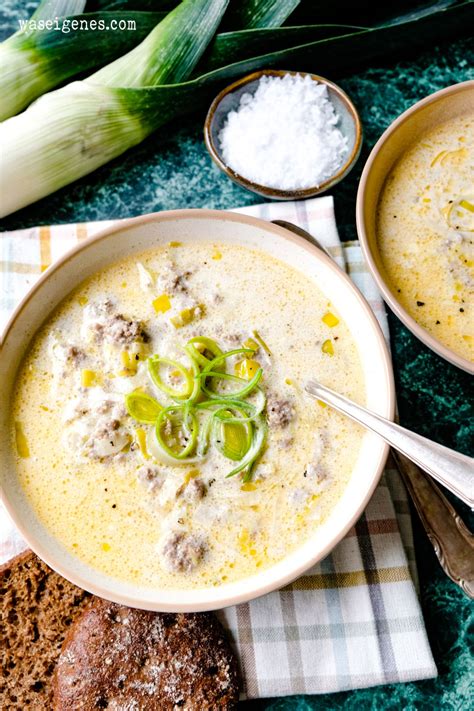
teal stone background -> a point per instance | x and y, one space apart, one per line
173 170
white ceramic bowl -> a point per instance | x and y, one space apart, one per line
407 129
141 233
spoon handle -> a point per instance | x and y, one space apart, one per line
451 469
452 541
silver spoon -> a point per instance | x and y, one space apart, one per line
452 541
453 470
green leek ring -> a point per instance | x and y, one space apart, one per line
191 431
154 363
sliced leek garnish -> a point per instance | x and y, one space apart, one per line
142 407
248 385
231 438
211 370
249 410
201 414
254 452
183 426
155 364
199 354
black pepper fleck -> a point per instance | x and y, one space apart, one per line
438 322
420 303
114 506
461 310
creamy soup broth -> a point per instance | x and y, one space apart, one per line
425 233
89 470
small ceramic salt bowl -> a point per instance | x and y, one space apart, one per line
229 99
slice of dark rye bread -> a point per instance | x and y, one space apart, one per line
116 657
37 608
198 669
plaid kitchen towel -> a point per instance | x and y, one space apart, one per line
354 619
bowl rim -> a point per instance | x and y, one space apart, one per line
421 333
276 193
216 601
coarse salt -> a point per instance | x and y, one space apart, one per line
285 135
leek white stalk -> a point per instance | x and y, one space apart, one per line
61 137
70 132
22 78
27 72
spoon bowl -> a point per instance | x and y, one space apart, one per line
452 469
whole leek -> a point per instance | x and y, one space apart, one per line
34 61
72 131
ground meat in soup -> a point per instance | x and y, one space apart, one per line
75 354
111 327
182 551
172 280
280 412
150 477
192 491
98 478
108 438
122 331
179 282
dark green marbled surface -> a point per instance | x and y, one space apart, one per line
173 170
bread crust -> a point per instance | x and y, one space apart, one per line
37 608
115 657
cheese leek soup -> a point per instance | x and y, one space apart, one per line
426 233
160 427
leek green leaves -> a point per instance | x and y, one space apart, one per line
34 61
72 131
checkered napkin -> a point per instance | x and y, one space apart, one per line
354 619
